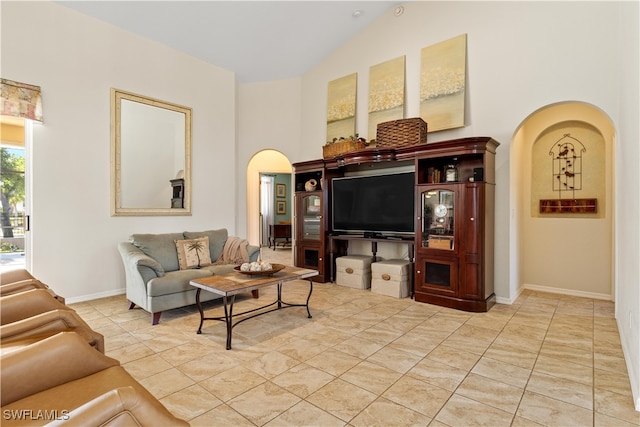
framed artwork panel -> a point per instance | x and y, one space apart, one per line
443 83
386 93
341 107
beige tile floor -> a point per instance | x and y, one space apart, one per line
367 359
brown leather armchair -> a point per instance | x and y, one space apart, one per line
124 406
66 381
27 331
21 286
26 285
16 275
26 304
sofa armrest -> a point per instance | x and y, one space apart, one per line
254 252
139 269
48 323
26 304
48 363
119 407
136 260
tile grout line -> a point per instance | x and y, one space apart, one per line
524 390
108 311
379 395
474 365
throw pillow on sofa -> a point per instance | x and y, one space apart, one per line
193 253
217 239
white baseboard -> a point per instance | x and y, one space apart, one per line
572 292
509 301
90 297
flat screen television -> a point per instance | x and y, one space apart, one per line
379 204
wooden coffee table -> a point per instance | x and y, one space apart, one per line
230 284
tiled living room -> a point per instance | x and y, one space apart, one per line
367 359
560 346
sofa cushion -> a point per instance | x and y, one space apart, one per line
193 253
217 238
175 281
160 247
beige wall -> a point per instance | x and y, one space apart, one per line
76 60
627 182
268 119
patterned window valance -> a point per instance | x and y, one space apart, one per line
20 100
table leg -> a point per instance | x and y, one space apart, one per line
199 305
279 295
309 297
228 317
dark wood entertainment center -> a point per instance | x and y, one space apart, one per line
454 218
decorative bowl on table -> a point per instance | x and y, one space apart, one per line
257 269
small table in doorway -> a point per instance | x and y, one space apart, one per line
279 231
230 284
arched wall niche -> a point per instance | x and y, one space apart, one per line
568 162
571 254
264 161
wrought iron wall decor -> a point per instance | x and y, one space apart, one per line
566 155
566 168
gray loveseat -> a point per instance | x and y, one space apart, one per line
154 280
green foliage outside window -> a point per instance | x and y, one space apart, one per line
11 187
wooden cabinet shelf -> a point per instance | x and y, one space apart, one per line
454 230
455 227
311 217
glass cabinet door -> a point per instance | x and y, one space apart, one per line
438 219
311 217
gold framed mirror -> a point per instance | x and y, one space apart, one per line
150 156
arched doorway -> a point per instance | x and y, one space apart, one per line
564 252
265 162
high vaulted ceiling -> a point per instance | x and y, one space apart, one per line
258 40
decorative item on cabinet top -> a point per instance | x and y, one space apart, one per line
451 171
343 145
401 133
311 185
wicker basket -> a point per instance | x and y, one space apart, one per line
401 133
340 147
